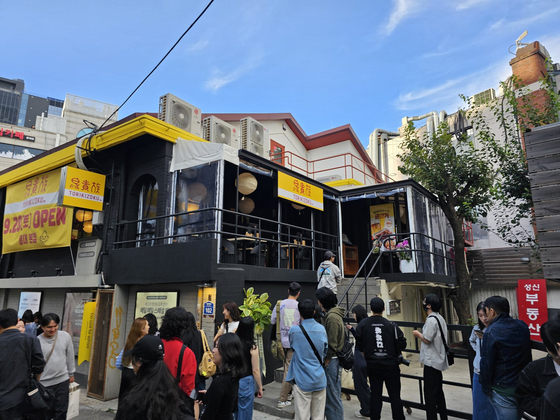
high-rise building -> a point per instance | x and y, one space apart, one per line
11 92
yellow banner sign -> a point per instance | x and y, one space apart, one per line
79 188
32 220
86 335
299 191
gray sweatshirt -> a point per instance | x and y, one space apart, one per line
328 275
61 364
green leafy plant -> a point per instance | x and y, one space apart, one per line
258 308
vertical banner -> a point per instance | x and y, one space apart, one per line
86 336
382 219
32 219
533 305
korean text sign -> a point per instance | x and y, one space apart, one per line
32 219
299 191
155 303
79 188
532 304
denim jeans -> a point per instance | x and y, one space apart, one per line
504 407
245 398
333 406
482 409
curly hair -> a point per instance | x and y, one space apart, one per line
175 322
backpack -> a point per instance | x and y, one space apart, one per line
346 355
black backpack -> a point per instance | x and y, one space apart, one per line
346 355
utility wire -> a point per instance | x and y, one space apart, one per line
155 68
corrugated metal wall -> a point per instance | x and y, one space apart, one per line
480 294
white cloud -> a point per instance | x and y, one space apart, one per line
446 95
198 46
467 4
502 24
401 10
220 79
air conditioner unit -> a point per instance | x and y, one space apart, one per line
484 97
217 131
181 114
255 137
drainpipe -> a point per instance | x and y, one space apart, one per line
378 150
432 120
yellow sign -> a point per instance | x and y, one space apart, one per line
299 191
382 220
155 303
79 188
86 335
32 220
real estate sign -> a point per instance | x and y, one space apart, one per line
532 305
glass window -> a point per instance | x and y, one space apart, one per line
195 191
6 150
24 153
147 208
277 152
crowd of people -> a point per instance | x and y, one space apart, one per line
162 376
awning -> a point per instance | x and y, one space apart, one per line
188 154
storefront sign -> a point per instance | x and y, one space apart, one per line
32 219
299 191
382 220
532 304
29 300
86 336
79 188
13 134
155 303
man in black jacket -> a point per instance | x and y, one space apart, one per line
533 380
550 408
15 349
381 342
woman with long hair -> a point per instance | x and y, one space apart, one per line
246 333
138 330
359 370
152 324
231 319
482 409
193 339
155 394
222 393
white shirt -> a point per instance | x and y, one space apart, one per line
232 326
433 354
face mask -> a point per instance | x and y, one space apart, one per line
425 307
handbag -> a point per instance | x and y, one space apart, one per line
276 345
449 353
206 368
346 355
40 401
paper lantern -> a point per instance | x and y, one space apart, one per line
297 207
88 227
197 192
247 183
84 215
246 205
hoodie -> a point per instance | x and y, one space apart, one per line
335 330
328 275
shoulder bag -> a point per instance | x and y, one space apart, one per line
346 355
206 368
40 401
450 354
312 345
276 347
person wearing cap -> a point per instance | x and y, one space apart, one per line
155 394
328 274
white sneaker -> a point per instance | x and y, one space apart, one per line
290 397
284 404
360 415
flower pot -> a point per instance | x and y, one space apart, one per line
407 266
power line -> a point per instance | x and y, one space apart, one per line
158 64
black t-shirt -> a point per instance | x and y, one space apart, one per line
221 398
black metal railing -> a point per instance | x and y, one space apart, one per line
426 254
242 239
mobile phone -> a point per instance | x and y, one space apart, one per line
198 396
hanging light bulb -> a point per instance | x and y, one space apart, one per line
247 183
84 215
88 227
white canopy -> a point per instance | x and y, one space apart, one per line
191 153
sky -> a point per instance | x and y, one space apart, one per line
329 63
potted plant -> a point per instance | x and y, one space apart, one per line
405 256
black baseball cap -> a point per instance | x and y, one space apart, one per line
329 255
148 347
